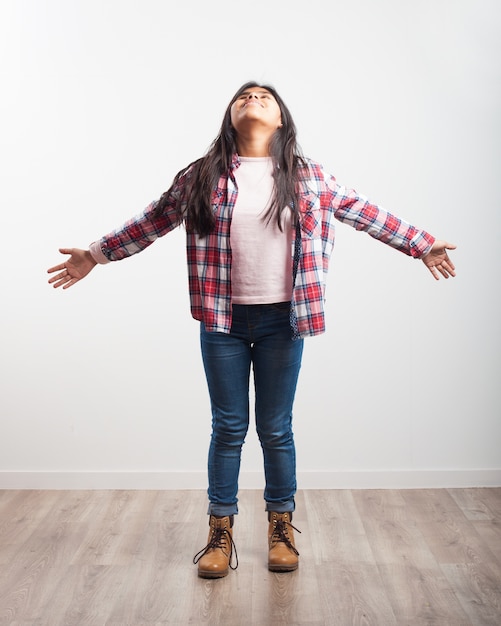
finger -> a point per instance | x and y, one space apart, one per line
56 268
63 273
64 281
60 279
70 283
59 283
60 266
448 265
447 268
443 271
434 272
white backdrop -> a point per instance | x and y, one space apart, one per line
103 101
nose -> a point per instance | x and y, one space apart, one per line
252 95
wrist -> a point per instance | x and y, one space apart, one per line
90 258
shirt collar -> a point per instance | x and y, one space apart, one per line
235 161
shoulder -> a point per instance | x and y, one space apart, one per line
312 175
308 167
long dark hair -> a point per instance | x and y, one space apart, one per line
203 174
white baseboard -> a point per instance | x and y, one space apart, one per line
405 479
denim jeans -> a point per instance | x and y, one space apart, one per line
260 337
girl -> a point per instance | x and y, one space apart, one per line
259 221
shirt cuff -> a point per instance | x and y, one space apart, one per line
97 253
422 244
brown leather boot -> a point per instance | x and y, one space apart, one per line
215 559
282 556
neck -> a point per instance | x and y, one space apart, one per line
253 145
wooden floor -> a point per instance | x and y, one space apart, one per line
384 557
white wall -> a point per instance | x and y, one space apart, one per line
103 101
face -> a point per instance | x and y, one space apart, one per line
256 105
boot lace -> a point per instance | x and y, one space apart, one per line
280 534
219 538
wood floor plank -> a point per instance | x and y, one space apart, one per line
36 568
478 504
398 542
159 579
26 506
490 532
468 561
354 594
381 504
79 506
456 540
422 596
335 528
118 525
478 592
20 514
430 505
415 585
86 594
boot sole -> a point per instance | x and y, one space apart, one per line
222 574
283 568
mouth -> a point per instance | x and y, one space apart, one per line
253 102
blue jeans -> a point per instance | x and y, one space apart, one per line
260 336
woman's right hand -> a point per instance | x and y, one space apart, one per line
74 269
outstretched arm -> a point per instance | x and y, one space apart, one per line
437 260
74 269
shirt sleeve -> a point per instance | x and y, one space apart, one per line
97 254
140 231
357 211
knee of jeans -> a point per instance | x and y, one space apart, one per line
275 439
229 434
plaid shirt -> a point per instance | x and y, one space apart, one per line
321 201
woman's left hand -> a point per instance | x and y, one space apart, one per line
437 260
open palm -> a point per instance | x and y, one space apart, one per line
74 269
437 260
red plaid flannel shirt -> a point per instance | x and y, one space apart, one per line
321 202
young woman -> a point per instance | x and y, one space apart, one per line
259 219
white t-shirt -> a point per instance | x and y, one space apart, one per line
261 269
